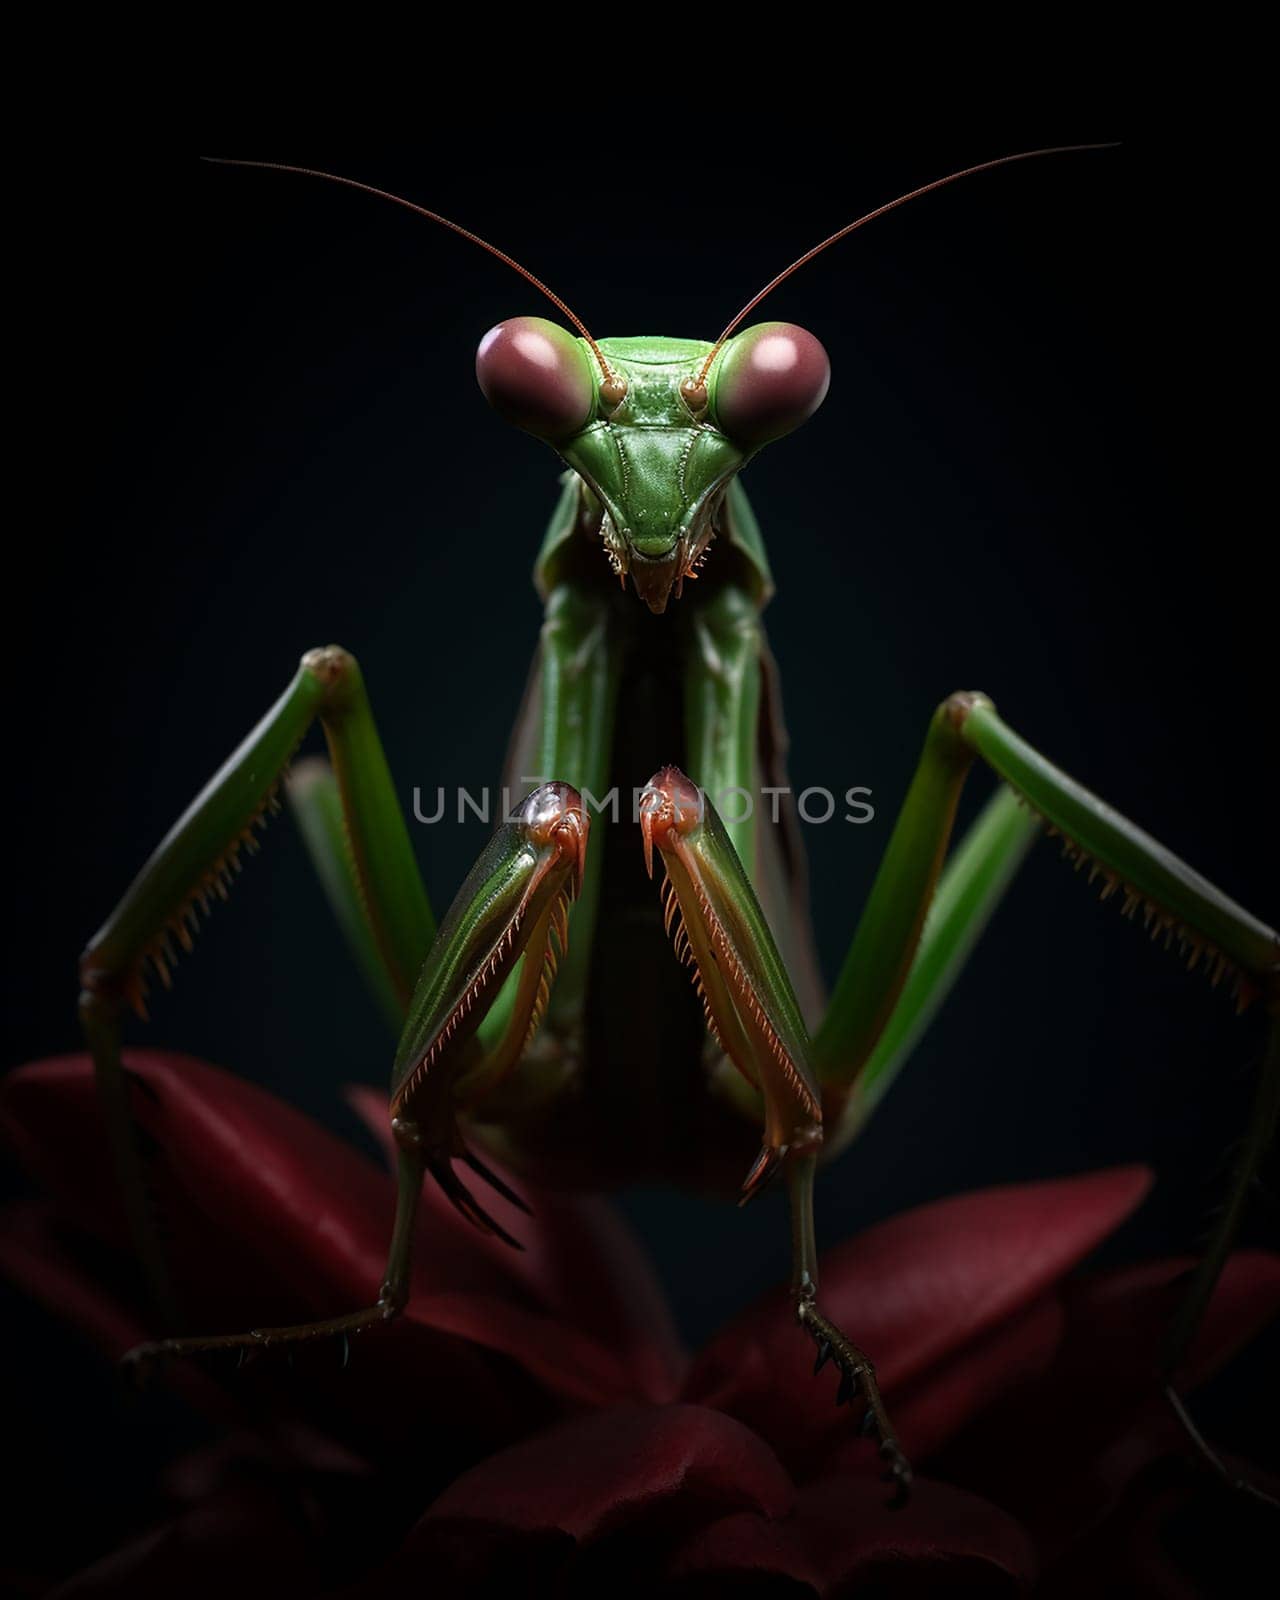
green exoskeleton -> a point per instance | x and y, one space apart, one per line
570 1018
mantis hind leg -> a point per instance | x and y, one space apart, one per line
921 920
193 866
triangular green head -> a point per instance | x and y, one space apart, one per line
655 429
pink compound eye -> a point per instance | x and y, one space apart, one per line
767 381
537 376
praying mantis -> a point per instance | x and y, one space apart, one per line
565 1078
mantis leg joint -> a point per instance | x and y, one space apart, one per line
956 707
336 671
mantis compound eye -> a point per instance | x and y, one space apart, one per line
537 376
768 380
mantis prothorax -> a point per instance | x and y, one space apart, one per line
563 1074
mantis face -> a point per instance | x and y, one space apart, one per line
655 428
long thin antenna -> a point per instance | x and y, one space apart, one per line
892 205
432 216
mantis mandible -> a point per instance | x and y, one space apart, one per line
519 1040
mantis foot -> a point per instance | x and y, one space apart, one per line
142 1362
858 1376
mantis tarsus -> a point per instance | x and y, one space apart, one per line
653 432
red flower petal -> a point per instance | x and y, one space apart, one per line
588 1476
39 1253
1172 1535
1126 1312
842 1534
308 1207
241 1541
630 1472
33 1254
581 1263
239 1260
913 1292
273 1219
1099 1400
933 1408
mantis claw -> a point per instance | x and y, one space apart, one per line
495 1182
898 1473
441 1169
763 1170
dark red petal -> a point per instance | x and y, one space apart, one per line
251 1452
1172 1534
243 1541
1124 1311
589 1476
34 1254
581 1263
96 1292
273 1219
933 1408
617 1487
1098 1401
841 1534
239 1261
312 1210
912 1291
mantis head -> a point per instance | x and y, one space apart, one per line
655 428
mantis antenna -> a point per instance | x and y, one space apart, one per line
433 216
891 205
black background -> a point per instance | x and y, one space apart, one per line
265 434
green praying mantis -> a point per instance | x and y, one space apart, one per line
569 1017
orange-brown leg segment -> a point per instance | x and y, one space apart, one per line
717 925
